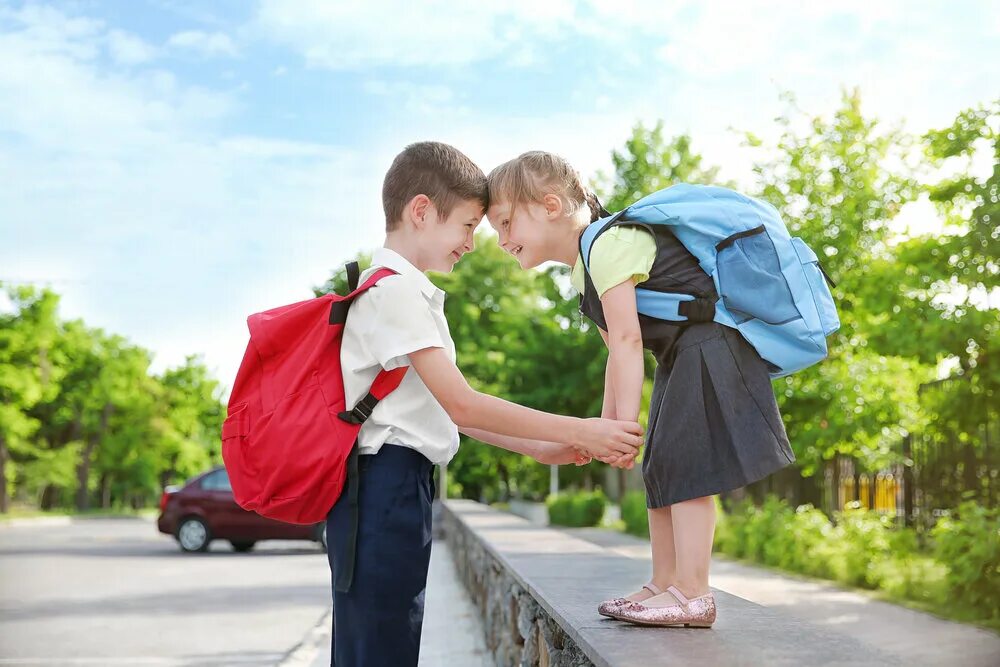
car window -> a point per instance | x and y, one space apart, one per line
217 481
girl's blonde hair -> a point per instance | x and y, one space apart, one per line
532 175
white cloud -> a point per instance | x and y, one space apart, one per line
423 99
120 191
204 43
348 35
128 49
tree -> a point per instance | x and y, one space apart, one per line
649 162
836 187
27 375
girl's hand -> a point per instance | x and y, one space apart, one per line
626 462
605 437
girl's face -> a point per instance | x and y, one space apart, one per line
523 232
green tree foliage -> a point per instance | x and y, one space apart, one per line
835 184
82 419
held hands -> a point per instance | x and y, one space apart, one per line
611 441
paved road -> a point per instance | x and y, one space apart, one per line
116 592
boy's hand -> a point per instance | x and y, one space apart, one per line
553 453
607 437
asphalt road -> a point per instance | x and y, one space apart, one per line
116 592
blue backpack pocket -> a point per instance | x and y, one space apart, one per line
751 283
816 279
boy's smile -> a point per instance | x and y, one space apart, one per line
449 239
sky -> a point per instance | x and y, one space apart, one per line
171 166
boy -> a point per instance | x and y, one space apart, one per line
379 548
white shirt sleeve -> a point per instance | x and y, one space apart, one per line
401 323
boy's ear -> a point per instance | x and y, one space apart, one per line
553 206
419 208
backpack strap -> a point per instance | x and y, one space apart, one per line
385 383
353 274
669 306
339 307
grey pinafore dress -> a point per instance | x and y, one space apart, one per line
713 420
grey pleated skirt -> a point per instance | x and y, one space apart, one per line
714 424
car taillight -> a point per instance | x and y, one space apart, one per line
165 498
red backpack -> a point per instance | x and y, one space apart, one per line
288 435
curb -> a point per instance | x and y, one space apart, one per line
304 654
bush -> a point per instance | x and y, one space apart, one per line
634 513
858 543
912 576
577 509
969 542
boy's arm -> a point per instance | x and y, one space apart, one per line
542 451
625 357
471 409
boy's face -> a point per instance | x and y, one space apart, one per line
443 242
521 233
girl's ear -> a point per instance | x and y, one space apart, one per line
419 208
553 206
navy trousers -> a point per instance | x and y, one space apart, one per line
377 621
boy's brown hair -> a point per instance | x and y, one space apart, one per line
442 172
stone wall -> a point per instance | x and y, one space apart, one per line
518 630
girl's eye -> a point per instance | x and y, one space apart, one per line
505 224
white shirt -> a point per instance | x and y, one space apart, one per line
402 314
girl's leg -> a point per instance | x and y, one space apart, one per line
694 532
661 538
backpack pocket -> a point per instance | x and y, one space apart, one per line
751 283
825 307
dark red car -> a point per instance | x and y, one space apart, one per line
204 510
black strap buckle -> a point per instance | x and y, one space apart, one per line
362 411
701 309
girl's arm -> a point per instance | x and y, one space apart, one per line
608 409
625 357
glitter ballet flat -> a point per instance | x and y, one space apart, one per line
696 612
610 608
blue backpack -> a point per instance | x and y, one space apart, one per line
771 286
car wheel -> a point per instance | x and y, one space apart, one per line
193 534
242 547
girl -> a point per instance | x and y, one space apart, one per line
713 420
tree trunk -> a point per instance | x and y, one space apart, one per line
83 469
835 484
48 499
83 476
105 491
4 507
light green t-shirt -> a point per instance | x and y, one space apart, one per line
619 254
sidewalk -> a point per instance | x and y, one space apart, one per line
453 632
914 637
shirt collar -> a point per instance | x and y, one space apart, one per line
391 259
